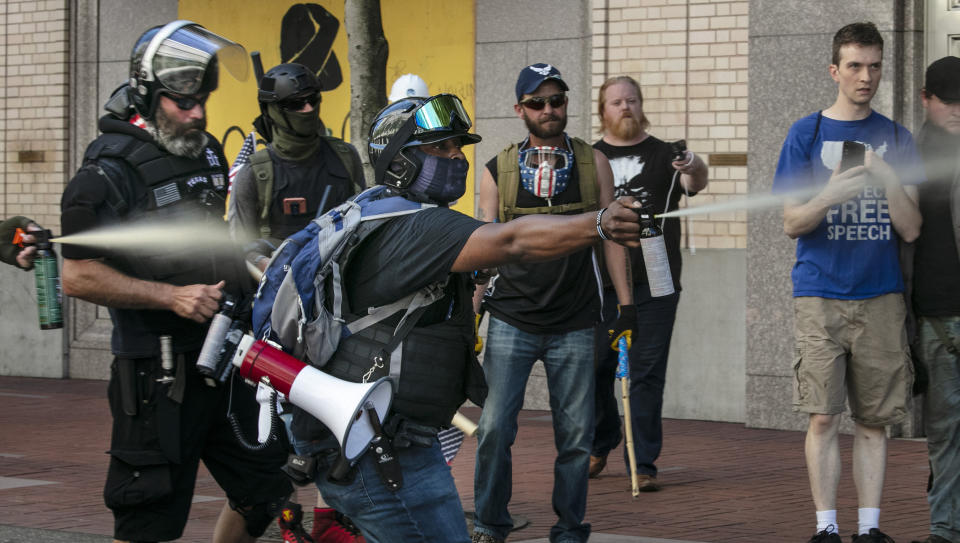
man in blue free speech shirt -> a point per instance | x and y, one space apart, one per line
849 326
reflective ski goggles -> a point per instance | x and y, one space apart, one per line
439 112
187 103
555 157
536 103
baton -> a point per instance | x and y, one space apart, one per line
623 373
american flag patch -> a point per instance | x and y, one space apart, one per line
166 194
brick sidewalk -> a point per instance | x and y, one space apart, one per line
724 482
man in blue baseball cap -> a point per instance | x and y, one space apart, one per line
543 310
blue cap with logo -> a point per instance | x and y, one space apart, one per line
534 75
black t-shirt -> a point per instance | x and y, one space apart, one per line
936 289
644 172
556 296
406 254
86 205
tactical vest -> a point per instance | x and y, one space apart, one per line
508 183
433 366
273 222
175 188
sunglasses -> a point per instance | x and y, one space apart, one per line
536 103
187 103
296 104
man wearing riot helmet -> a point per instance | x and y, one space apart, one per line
154 162
415 145
281 189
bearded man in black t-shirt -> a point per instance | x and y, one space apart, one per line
643 167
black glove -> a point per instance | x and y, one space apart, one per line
625 326
9 251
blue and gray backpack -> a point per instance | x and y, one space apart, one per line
291 306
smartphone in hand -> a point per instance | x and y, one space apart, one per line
852 155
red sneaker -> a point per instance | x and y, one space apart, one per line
291 524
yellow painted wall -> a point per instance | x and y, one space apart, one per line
431 38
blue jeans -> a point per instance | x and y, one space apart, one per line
941 416
568 360
648 372
426 509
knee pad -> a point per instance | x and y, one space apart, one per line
258 517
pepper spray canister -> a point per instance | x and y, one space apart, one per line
655 258
47 272
208 361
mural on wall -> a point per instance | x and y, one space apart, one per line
431 38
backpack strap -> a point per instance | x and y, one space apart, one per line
816 130
262 167
346 157
583 154
508 180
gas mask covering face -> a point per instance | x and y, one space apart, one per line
440 180
545 171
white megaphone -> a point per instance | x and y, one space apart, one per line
340 405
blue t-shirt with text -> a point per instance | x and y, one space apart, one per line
853 253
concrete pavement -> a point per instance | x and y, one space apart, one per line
722 482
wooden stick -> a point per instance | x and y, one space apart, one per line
624 374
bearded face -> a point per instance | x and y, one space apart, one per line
181 138
546 125
626 127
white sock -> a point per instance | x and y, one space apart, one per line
869 517
827 520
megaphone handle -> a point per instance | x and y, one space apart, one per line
388 467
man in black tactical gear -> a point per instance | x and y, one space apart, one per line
155 163
415 145
281 189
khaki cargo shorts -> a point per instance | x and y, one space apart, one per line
855 349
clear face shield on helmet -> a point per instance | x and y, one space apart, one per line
545 171
179 56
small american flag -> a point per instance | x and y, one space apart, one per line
243 157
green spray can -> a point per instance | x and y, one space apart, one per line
49 297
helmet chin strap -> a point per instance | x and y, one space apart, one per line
397 142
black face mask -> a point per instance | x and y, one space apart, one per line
441 180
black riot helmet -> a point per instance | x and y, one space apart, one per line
410 122
289 86
180 58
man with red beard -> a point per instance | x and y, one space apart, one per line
643 167
542 311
